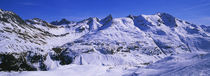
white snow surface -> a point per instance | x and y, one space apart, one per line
189 64
159 45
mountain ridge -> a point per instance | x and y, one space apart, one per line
126 41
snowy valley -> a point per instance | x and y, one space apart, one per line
144 45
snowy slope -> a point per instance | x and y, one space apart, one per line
25 44
152 38
133 45
189 64
16 34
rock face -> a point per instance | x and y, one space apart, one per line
10 17
39 22
133 41
62 22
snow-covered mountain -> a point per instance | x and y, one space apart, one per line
131 45
62 22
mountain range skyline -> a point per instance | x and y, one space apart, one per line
195 11
158 44
104 38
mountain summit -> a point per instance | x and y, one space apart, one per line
62 22
10 17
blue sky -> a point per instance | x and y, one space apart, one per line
195 11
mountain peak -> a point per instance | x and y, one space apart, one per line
61 22
35 21
39 22
107 19
109 16
93 19
167 19
64 20
163 13
1 10
10 17
38 19
131 16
